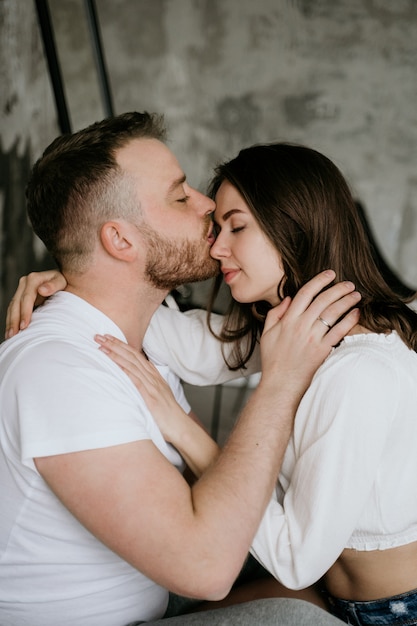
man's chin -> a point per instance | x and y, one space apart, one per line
169 267
169 283
200 276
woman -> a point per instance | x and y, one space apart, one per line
345 510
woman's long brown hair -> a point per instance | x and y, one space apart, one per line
304 205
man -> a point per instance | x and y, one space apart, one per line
97 523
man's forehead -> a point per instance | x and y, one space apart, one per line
150 158
177 182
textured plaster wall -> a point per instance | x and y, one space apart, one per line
27 124
338 75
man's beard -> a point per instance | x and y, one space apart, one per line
171 264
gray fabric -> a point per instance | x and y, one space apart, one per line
251 570
267 612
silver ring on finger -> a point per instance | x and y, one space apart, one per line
323 321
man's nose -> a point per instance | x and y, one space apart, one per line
204 204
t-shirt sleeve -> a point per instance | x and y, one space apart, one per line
184 343
68 400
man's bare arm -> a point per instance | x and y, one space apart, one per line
138 504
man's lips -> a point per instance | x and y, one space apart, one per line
229 274
210 235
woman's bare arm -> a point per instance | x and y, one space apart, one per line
194 444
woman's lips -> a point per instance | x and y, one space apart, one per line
229 274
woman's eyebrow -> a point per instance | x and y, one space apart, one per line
229 214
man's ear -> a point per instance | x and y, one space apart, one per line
117 241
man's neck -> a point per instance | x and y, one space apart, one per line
130 310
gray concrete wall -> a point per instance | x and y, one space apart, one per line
27 124
338 75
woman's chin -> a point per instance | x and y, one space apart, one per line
242 299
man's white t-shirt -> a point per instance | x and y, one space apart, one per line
59 393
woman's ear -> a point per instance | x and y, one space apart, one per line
116 240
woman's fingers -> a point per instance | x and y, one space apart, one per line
31 291
334 318
333 311
308 293
317 311
295 344
343 327
123 353
19 311
141 371
277 313
334 302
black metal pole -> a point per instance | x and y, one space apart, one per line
99 57
45 24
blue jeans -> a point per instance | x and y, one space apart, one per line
394 611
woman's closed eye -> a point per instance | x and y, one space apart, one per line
217 229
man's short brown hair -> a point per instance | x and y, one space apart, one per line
77 185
